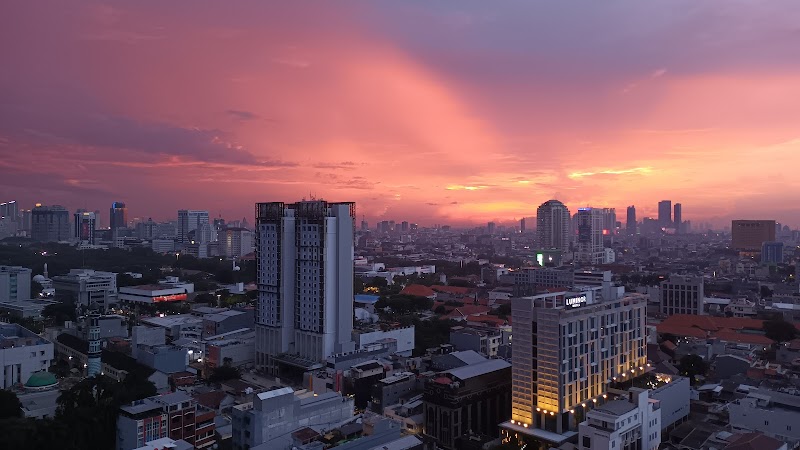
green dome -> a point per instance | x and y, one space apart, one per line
41 379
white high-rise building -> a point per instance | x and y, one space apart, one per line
304 255
235 242
190 220
589 240
552 225
567 351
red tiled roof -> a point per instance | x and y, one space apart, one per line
210 399
489 320
753 441
668 345
743 338
418 290
681 330
709 323
453 290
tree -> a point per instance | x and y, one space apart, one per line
9 405
765 292
692 366
440 309
224 373
60 312
503 310
779 330
358 285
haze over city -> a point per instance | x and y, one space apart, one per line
454 113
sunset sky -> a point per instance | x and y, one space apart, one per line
451 112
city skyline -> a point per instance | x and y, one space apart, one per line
475 113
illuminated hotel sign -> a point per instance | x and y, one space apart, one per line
170 298
575 301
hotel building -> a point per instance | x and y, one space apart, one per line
567 350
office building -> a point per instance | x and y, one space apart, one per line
609 221
485 341
473 398
567 350
146 230
677 218
189 221
749 235
589 240
82 287
235 242
771 253
404 226
10 210
304 257
15 283
630 223
682 295
665 213
633 423
22 353
85 226
176 416
491 228
50 223
170 289
522 225
552 225
117 217
269 420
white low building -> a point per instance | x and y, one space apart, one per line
370 335
22 352
267 422
620 424
776 414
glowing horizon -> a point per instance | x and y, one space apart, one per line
456 113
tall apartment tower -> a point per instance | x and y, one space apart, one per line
117 216
589 242
567 351
630 224
10 210
609 221
190 220
304 257
552 225
677 217
665 213
85 226
50 223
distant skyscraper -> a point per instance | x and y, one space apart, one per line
190 220
522 225
589 242
552 225
117 217
364 225
85 226
750 235
404 226
491 227
678 217
304 267
609 220
665 213
630 224
9 210
50 223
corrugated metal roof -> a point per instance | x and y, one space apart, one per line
474 370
